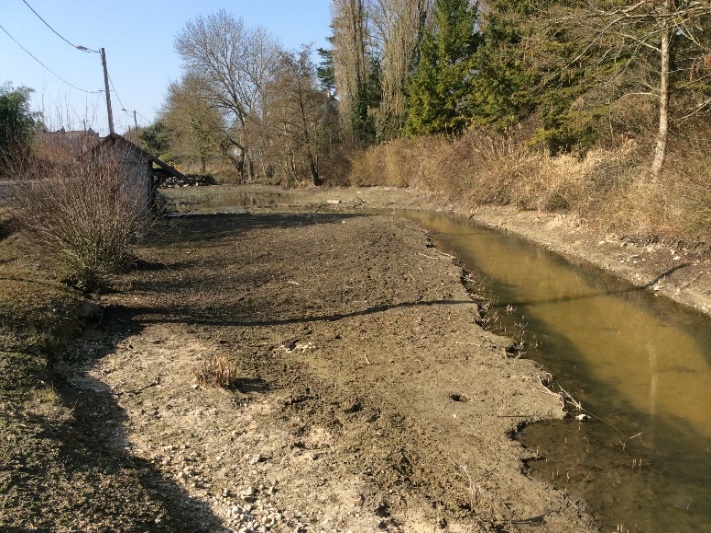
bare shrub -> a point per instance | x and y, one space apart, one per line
397 163
217 372
85 214
337 162
367 167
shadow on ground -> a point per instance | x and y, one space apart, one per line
67 465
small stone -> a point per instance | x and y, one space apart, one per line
249 495
256 458
289 515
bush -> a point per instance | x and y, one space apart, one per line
83 214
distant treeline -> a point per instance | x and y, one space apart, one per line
561 76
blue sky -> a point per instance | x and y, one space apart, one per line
138 37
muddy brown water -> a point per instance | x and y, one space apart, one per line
639 365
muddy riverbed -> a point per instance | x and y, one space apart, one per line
672 268
368 398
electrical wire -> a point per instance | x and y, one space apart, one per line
115 92
123 107
45 66
76 47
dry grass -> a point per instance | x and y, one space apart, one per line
609 189
217 372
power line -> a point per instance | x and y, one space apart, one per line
45 66
116 92
76 47
123 107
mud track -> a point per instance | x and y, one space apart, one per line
368 397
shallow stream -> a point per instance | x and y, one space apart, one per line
639 365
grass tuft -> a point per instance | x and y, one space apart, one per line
217 372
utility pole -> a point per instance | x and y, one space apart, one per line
135 120
108 93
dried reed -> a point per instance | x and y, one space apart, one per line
216 372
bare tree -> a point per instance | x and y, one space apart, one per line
196 128
235 64
298 116
657 27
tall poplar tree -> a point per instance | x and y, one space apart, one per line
355 67
442 78
397 29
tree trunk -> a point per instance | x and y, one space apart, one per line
313 165
240 166
660 150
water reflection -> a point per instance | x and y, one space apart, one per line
639 363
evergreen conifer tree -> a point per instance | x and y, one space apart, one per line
530 63
442 78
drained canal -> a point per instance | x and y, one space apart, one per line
639 365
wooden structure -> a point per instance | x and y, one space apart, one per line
135 163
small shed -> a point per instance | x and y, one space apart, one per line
137 164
